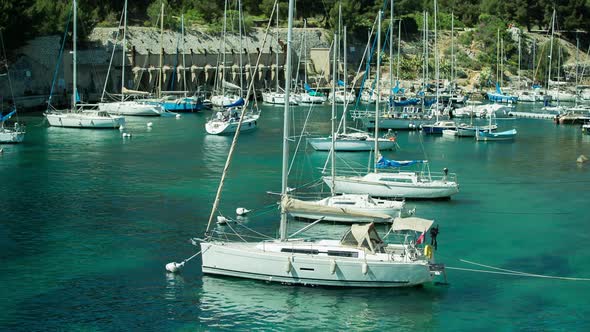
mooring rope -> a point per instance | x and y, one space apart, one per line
510 272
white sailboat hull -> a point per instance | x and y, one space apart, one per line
277 98
396 123
83 120
11 136
305 98
252 261
220 100
325 144
227 127
131 108
377 185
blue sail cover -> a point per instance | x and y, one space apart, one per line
239 102
385 163
308 88
340 83
498 90
7 116
409 101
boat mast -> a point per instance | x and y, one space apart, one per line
161 51
241 48
223 54
502 62
333 118
498 56
551 48
345 87
436 59
377 75
519 56
452 53
399 48
183 57
123 47
277 53
75 59
390 52
283 225
305 49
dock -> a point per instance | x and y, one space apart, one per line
531 115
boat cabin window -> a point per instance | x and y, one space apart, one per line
301 251
343 253
397 180
344 203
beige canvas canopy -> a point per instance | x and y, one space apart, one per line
411 224
134 92
363 236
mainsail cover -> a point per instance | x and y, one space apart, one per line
293 205
229 85
385 163
7 116
239 102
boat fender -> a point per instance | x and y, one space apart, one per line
333 266
428 252
365 268
289 265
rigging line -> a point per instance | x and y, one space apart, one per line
236 135
524 273
236 233
528 182
8 75
106 80
264 236
63 43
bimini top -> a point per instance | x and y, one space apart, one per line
363 236
385 163
411 224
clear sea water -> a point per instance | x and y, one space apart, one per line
89 219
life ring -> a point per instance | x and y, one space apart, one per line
428 252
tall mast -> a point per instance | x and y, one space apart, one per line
124 47
424 56
399 48
333 118
436 59
452 53
75 58
377 75
241 47
305 49
498 55
283 226
551 48
183 53
345 87
501 62
390 51
223 52
161 51
277 53
519 56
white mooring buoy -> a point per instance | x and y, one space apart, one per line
149 124
174 267
242 211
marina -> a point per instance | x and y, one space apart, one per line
102 214
311 183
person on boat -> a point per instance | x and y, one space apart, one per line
433 235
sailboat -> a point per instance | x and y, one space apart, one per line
15 134
80 115
349 141
227 94
498 96
491 135
277 97
383 182
123 106
348 207
359 259
310 95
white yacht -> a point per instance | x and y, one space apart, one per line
226 122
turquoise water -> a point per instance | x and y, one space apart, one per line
89 220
